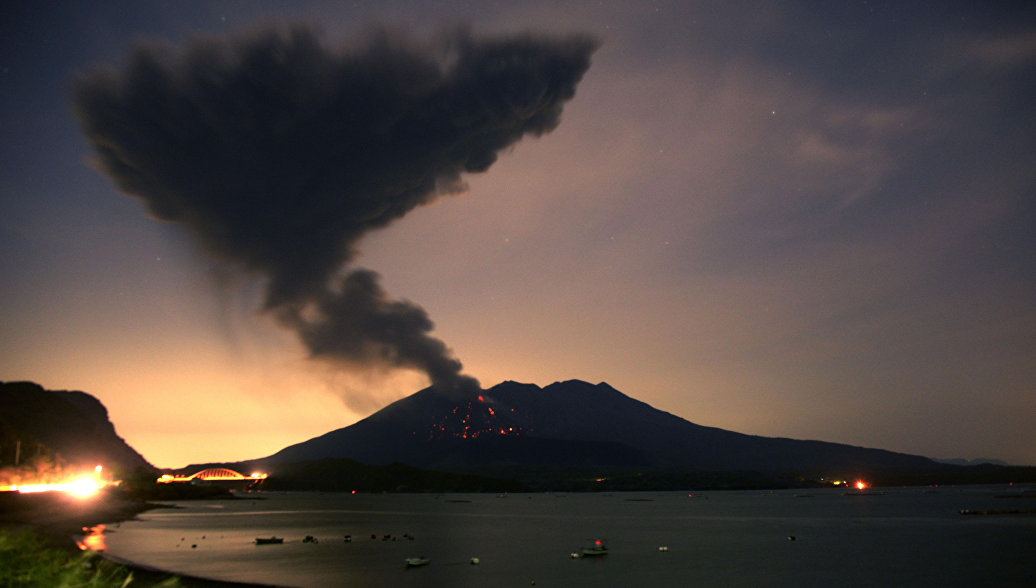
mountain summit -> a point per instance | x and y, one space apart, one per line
569 424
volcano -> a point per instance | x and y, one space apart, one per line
570 424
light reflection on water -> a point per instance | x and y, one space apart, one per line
906 537
92 539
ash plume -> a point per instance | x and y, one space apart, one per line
279 153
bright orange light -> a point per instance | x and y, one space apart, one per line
860 484
85 486
81 488
93 539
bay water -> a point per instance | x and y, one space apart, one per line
839 537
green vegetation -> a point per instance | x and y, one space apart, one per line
28 560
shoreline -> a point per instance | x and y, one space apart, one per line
152 575
59 519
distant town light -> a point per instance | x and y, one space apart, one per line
85 486
81 488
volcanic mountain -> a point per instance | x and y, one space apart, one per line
570 424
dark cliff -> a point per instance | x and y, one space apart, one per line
71 426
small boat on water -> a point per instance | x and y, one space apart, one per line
269 540
413 562
596 550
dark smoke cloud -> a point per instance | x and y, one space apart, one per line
279 153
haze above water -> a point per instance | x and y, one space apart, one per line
903 537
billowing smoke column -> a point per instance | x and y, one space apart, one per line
279 153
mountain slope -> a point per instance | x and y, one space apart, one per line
571 423
71 425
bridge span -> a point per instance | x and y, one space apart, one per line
214 475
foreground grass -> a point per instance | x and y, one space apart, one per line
28 560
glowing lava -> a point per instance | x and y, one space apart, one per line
472 420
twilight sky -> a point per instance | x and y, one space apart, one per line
766 217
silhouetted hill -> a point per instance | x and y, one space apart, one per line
73 426
973 462
571 424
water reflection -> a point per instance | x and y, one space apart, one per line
93 539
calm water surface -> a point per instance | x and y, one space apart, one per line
904 537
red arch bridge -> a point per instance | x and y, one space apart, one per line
215 475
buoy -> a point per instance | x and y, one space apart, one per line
475 561
791 537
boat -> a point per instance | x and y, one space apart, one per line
269 540
598 549
413 562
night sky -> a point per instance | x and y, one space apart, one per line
772 218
